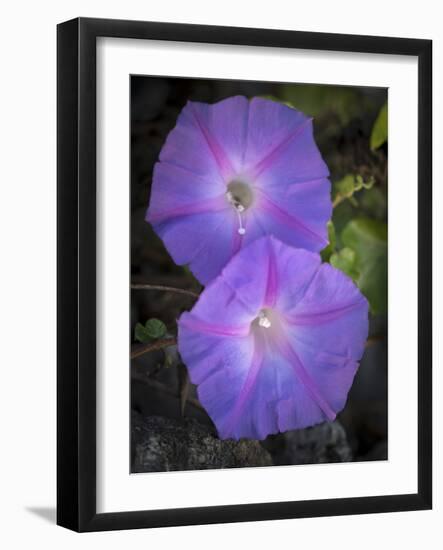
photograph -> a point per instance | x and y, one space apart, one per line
259 275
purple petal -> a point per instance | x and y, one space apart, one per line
209 140
270 126
191 146
239 292
192 239
284 217
179 192
225 126
296 160
333 312
290 174
296 371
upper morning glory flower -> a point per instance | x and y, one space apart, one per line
235 171
273 343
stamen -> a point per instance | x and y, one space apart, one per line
239 208
263 321
241 230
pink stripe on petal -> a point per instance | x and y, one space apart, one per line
284 218
317 317
229 426
272 282
217 151
303 376
216 204
265 163
198 325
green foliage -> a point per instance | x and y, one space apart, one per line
153 329
346 261
328 250
379 133
368 239
342 101
374 203
350 184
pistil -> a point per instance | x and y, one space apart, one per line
239 195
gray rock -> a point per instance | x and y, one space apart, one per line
323 443
163 444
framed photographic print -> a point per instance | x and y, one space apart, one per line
244 274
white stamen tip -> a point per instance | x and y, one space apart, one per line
241 230
264 322
240 208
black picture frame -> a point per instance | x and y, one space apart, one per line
76 265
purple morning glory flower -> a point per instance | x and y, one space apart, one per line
235 171
274 342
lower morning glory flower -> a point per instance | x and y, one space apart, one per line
232 172
274 342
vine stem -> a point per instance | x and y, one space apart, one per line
338 200
158 344
145 286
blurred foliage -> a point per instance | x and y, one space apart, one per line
342 101
379 134
153 329
368 239
374 204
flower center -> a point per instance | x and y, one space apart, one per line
240 196
264 319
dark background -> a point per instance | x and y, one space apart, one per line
343 120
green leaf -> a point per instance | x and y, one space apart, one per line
346 260
329 249
140 333
379 133
368 238
155 328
